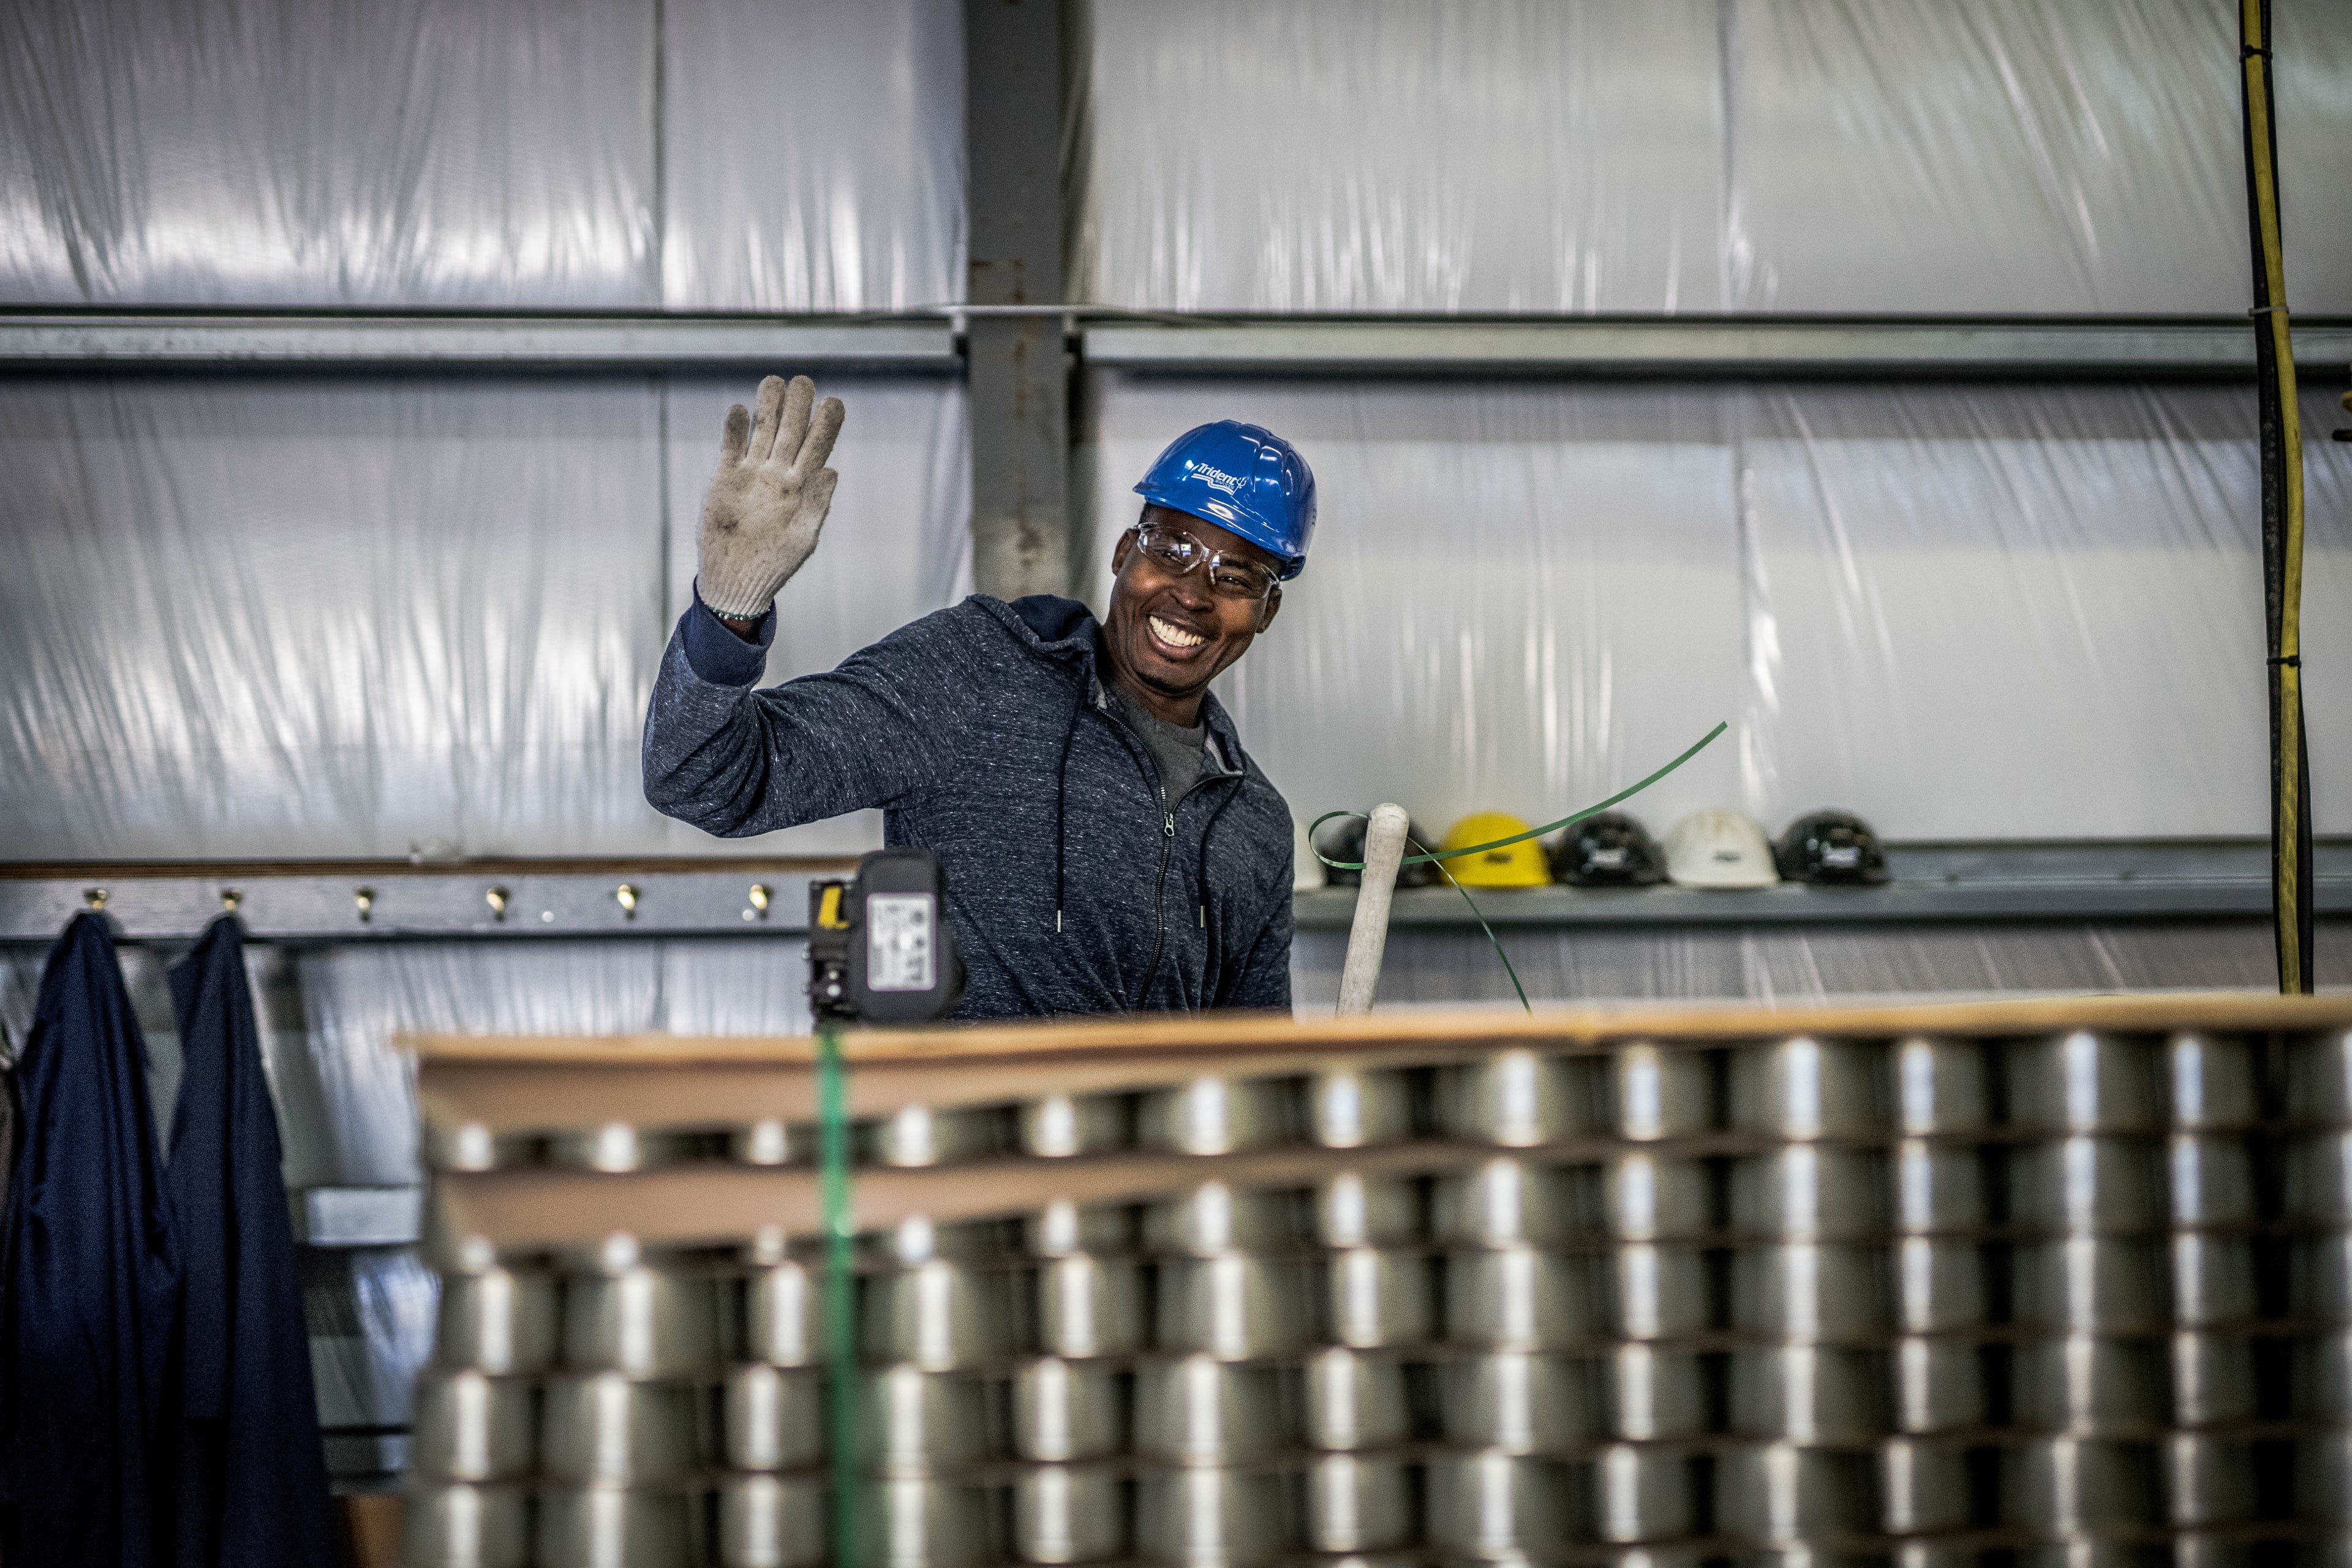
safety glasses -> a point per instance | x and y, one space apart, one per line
1230 577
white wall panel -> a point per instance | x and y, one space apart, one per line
295 152
1985 612
812 154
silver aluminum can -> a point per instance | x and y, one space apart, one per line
2322 1479
470 1426
1063 1228
1369 1298
1214 1218
2323 1379
497 1320
2225 1552
1061 1515
1236 1306
772 1522
767 1141
1353 1503
1936 1554
2092 1386
2093 1285
1922 1488
2319 1278
1512 1200
2212 1178
1353 1400
1811 1292
1938 1186
938 1315
1809 1192
2214 1380
1516 1298
1523 1403
2083 1081
1662 1291
461 1525
1214 1116
619 1147
472 1146
1518 1098
1355 1108
2319 1178
619 1527
2088 1185
644 1319
2209 1480
1807 1088
781 1315
1658 1093
1643 1494
1503 1507
1081 1305
2212 1080
1213 1517
1199 1411
1940 1086
913 1522
915 1137
606 1429
2319 1078
1939 1385
1654 1197
1809 1394
1062 1125
912 1421
1654 1394
1939 1284
773 1418
1781 1492
1064 1411
2213 1279
1351 1211
2083 1486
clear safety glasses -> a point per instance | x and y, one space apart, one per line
1230 577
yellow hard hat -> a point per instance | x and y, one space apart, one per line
1520 864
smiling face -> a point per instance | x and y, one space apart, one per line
1168 635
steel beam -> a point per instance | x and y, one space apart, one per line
1701 348
1017 391
446 342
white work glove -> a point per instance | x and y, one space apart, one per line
761 519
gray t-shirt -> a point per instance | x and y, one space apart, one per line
1176 752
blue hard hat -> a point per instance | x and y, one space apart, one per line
1245 478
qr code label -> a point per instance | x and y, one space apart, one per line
898 943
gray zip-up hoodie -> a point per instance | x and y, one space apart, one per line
984 735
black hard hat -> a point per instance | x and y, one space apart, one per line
1343 839
1610 850
1830 847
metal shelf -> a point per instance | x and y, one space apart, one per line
2200 880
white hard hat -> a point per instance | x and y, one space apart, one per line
1306 871
1719 848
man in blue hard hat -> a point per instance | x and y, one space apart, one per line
1108 845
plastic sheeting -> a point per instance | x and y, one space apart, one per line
276 619
1699 155
1985 612
691 154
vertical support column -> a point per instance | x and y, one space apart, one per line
1018 391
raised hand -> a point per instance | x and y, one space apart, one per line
767 504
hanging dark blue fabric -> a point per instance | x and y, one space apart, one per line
252 1472
90 1301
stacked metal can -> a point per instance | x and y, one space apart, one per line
2319 1209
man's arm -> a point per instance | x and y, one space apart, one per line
734 761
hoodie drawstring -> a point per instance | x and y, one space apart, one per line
1200 881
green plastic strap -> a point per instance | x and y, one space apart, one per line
1426 858
840 1287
